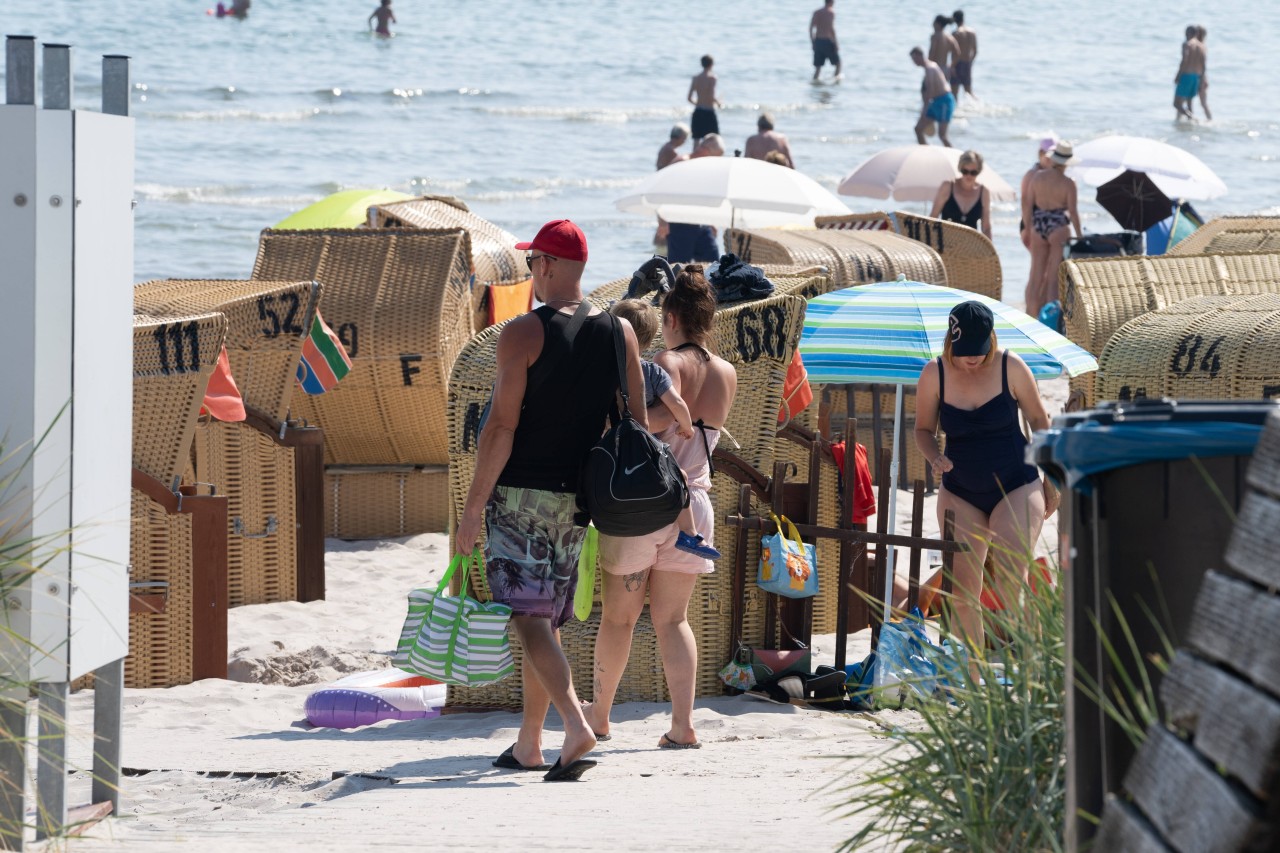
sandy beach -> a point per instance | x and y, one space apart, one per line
232 765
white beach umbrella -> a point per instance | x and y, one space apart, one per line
1178 173
914 173
732 192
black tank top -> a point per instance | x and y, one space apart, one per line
566 415
952 213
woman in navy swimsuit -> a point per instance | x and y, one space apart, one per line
974 393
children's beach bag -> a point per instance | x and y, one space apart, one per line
457 640
630 484
787 566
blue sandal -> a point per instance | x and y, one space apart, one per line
696 545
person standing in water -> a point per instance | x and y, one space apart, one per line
967 42
702 94
1201 33
385 18
939 103
822 37
943 48
1190 70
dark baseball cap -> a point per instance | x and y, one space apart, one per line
970 329
559 238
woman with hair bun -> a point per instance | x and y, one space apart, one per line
636 565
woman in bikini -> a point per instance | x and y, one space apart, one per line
974 393
1049 207
634 565
964 200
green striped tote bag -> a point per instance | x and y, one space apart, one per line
459 640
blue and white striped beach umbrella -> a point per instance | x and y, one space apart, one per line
885 333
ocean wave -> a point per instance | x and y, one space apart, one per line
592 115
224 194
302 114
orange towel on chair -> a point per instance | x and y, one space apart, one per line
796 392
509 300
222 398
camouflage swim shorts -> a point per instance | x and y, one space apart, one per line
531 552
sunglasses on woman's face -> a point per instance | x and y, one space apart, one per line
973 173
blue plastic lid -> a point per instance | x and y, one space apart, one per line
1118 435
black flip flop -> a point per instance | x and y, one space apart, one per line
508 761
572 773
667 743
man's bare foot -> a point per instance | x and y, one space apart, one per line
576 745
526 756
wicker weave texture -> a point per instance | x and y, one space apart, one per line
876 220
375 504
1101 295
267 322
400 301
1208 348
643 680
173 358
968 256
161 652
865 413
1232 235
493 253
853 257
257 476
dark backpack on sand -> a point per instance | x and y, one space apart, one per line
630 484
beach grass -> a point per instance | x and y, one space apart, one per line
983 769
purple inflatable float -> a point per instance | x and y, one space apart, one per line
370 697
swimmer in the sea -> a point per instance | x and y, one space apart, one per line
385 18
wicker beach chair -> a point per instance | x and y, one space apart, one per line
1232 235
177 546
400 300
1099 296
496 263
1205 348
269 469
853 257
970 259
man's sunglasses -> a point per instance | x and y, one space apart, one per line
530 258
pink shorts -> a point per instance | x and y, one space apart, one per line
625 555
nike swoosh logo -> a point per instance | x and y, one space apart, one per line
632 469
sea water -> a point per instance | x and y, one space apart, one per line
531 110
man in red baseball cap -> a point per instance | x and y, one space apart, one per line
557 379
559 238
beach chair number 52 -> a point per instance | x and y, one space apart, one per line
761 331
267 314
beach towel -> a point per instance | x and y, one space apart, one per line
510 300
222 398
324 360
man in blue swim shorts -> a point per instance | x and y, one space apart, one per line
939 103
557 380
1190 70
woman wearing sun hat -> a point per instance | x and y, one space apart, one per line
1049 211
974 393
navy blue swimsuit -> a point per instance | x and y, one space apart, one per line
986 447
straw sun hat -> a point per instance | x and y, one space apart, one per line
1062 153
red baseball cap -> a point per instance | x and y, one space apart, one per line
559 238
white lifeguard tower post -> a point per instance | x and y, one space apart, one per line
66 282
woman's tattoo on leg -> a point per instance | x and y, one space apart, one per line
635 580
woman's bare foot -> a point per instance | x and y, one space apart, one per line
601 730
